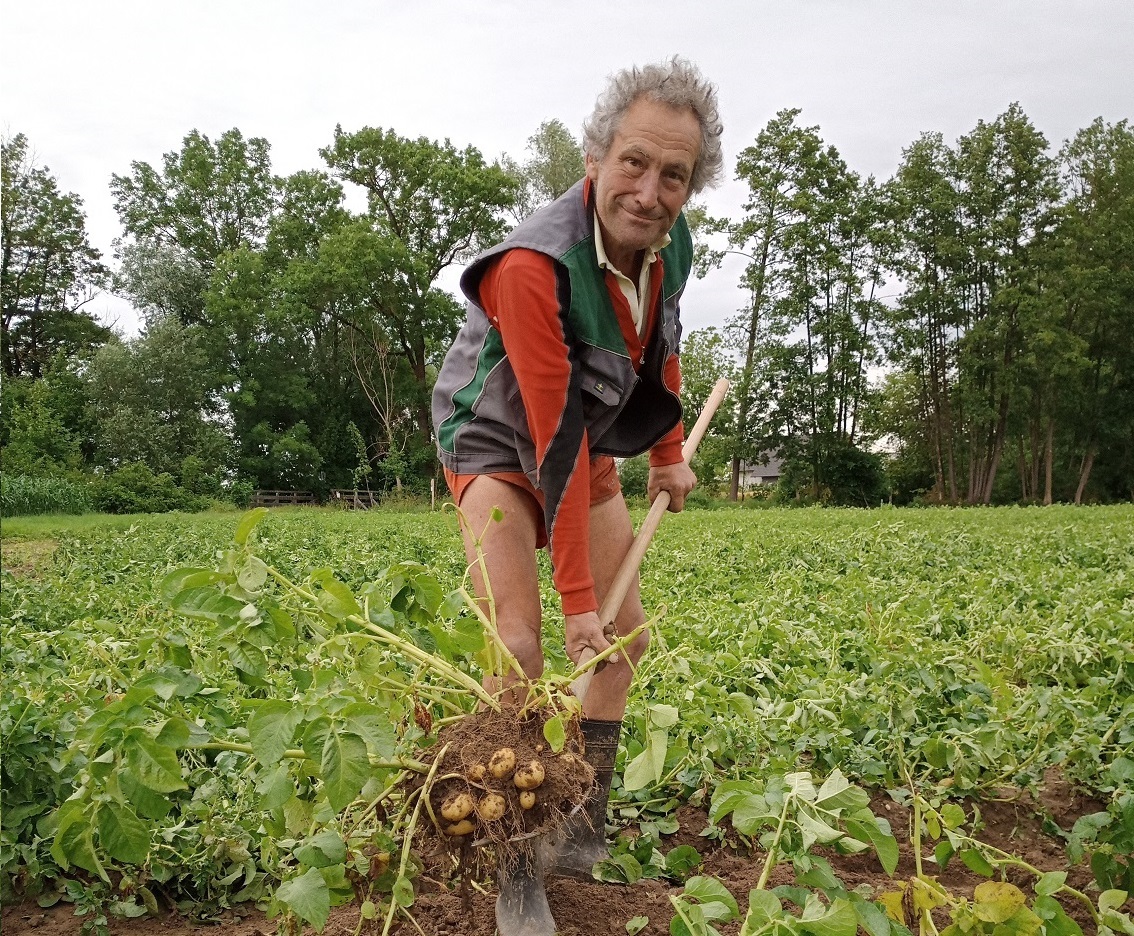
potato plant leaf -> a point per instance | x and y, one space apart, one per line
124 836
308 897
345 768
271 729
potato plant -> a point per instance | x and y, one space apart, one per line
200 754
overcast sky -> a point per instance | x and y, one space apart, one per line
98 84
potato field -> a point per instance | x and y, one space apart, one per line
881 721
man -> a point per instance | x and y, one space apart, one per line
568 358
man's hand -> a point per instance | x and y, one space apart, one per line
582 631
678 479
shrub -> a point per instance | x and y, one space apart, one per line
22 496
134 488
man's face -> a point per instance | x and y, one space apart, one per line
642 182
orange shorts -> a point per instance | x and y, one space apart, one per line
604 485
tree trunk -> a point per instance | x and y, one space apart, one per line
1047 460
1085 473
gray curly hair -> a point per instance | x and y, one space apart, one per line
678 83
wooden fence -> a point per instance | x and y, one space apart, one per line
349 498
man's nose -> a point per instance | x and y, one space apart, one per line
647 193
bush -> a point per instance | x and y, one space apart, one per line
22 496
634 474
134 488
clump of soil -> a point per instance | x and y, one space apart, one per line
468 769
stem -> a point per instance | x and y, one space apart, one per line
408 839
611 650
770 861
374 802
501 654
441 667
401 763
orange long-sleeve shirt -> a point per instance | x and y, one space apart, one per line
519 295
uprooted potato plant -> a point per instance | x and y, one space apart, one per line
361 718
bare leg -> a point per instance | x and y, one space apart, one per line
509 556
611 537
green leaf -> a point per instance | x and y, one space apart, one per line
554 733
953 816
681 860
649 765
174 733
345 768
714 898
122 834
322 850
147 802
275 787
246 657
181 579
619 869
763 907
247 524
253 574
1112 899
1056 920
207 603
271 729
154 765
403 892
1051 882
839 919
74 840
372 724
838 793
636 924
816 829
977 863
307 897
664 716
337 600
878 834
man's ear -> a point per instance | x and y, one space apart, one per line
592 167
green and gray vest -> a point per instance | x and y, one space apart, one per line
478 415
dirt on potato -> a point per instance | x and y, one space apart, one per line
471 745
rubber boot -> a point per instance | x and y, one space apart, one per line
582 841
521 908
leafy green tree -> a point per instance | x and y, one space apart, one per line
815 249
206 200
705 359
48 272
1008 185
429 205
1089 302
155 401
556 163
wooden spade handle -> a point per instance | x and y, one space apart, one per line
612 604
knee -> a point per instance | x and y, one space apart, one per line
636 649
524 645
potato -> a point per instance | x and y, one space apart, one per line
502 763
529 776
527 799
491 807
464 827
476 773
458 806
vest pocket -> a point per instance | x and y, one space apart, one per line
602 387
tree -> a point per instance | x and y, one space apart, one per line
1090 306
208 199
49 270
429 206
555 165
813 241
156 400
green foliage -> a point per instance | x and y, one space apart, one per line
49 269
22 496
134 488
868 643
